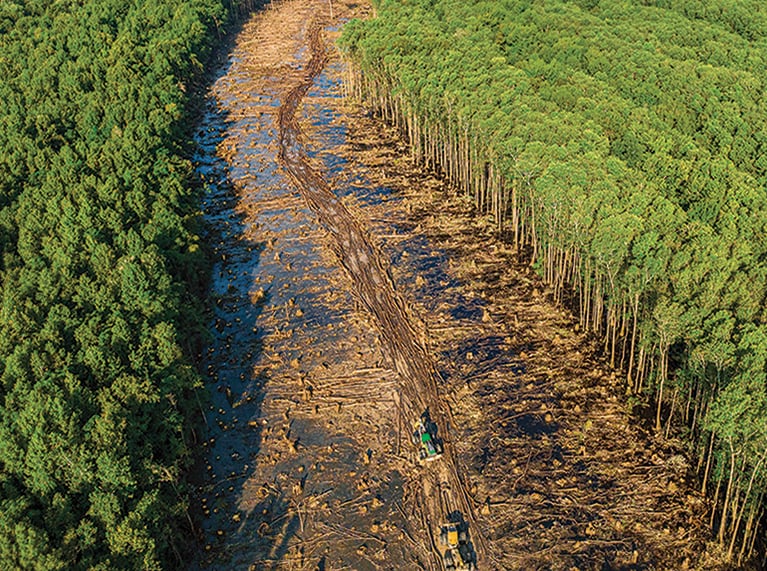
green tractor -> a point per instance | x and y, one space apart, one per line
425 437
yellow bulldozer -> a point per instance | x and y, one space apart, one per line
456 550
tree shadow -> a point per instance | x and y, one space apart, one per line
231 405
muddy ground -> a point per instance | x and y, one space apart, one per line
353 290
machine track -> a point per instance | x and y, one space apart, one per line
404 336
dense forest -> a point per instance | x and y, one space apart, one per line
622 147
100 272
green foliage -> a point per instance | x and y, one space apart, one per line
98 269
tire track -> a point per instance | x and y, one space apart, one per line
403 335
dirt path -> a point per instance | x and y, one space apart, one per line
352 292
405 343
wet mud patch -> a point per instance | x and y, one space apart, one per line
301 415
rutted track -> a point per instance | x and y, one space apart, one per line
404 336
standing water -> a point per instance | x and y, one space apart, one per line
302 403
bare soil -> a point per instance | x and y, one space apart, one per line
354 291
